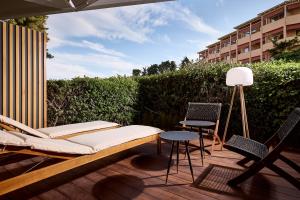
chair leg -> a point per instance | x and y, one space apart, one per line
290 163
202 143
252 170
201 149
213 144
285 175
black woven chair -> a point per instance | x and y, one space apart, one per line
264 155
206 112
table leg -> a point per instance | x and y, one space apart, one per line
188 142
177 155
201 146
189 158
170 160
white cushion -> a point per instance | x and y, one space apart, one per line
22 127
11 139
54 145
108 138
57 131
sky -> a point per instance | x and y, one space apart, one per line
113 41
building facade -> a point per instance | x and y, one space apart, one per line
251 40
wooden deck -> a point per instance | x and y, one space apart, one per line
140 174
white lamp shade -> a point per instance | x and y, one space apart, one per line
239 76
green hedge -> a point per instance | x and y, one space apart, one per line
161 100
88 99
275 92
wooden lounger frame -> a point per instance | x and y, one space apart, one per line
69 162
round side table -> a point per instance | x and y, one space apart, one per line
179 136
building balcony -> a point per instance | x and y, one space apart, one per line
233 47
274 25
243 56
233 60
213 56
267 46
293 19
256 52
256 36
243 40
225 49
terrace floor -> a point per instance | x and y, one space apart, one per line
140 174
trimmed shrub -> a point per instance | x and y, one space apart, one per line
275 93
161 100
89 99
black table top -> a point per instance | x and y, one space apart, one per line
179 135
197 123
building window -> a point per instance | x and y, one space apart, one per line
297 32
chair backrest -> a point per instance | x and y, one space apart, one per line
203 111
288 126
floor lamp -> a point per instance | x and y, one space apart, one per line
238 77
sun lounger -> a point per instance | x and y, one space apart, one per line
57 131
74 151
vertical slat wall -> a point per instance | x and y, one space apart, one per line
23 75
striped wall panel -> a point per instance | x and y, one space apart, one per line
23 75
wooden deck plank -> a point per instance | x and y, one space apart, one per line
140 174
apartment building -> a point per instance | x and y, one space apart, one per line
252 39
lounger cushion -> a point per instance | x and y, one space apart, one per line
108 138
10 139
22 127
57 131
54 145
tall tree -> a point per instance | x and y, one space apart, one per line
185 62
144 72
167 66
153 69
136 72
37 23
287 49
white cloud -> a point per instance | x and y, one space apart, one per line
70 65
56 43
101 49
56 70
134 23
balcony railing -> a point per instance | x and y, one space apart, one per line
274 25
293 19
